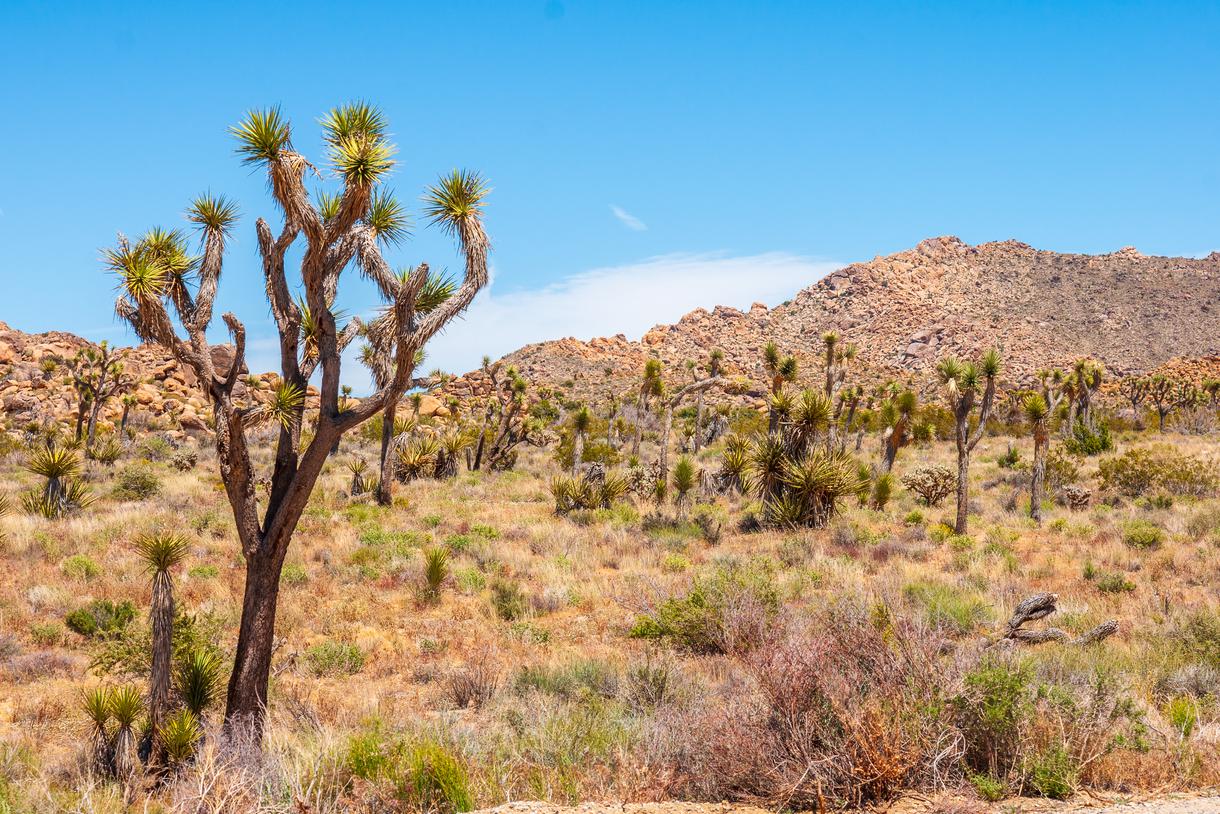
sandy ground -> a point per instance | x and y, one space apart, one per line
1173 804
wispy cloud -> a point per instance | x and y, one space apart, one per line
629 220
626 299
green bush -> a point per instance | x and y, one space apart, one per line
1114 583
1158 468
334 658
293 574
702 620
137 482
509 600
1143 534
992 711
79 566
1052 773
434 780
580 678
988 787
1085 441
101 617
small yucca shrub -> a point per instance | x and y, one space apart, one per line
436 571
180 735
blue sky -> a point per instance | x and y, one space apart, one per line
647 157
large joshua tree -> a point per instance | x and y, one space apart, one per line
963 381
159 278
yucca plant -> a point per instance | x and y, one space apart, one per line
161 553
417 458
765 466
105 451
62 493
436 571
780 370
810 416
897 415
358 466
452 443
812 489
96 704
734 463
685 478
180 735
198 679
126 707
582 420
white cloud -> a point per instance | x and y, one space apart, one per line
629 220
627 299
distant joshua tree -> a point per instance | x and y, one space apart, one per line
96 374
781 370
1168 395
652 386
1037 412
159 277
963 382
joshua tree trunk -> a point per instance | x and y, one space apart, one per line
81 410
697 440
963 490
123 420
247 697
385 493
161 615
578 449
1038 476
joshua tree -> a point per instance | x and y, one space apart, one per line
651 386
667 419
128 400
1212 388
1135 391
1080 387
126 707
160 553
897 415
962 383
497 442
156 274
1168 395
1038 413
582 420
96 703
380 354
97 376
780 370
714 362
685 476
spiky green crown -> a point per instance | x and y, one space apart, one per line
161 551
213 213
262 136
456 199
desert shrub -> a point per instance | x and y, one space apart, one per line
105 450
80 566
334 658
570 681
137 482
931 484
508 599
1143 534
725 611
293 574
1052 773
101 617
474 684
1158 468
1087 442
1114 583
988 787
47 634
839 712
573 493
711 520
1182 712
1010 458
948 608
1198 636
992 709
649 684
433 779
184 459
1061 469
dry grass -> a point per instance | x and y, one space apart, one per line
523 673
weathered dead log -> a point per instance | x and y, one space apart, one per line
1038 606
1103 631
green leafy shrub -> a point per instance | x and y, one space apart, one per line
1088 442
989 788
718 614
101 617
293 574
80 566
1158 468
992 711
433 779
1143 534
508 599
1114 583
137 482
1052 773
334 658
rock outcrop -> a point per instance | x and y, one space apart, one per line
908 310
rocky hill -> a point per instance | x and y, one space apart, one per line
906 311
